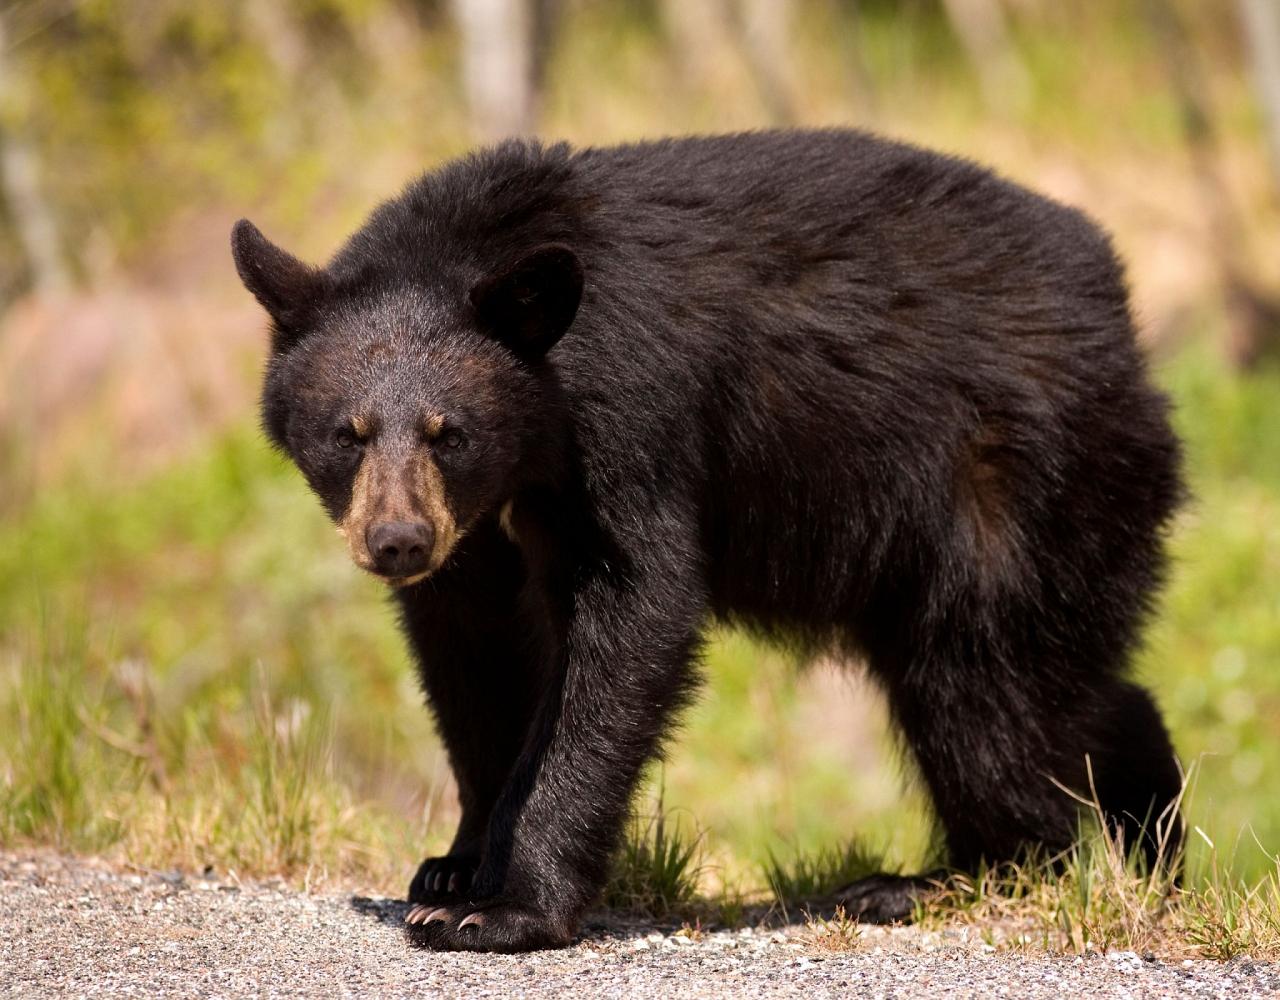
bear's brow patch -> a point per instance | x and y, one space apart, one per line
432 424
361 425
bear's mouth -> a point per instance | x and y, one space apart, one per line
403 581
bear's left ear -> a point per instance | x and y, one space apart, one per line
287 288
531 303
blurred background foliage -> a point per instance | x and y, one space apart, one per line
192 673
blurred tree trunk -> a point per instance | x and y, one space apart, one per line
1252 317
864 85
980 25
32 216
764 30
709 34
497 65
547 15
1261 22
701 32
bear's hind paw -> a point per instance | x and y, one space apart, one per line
886 899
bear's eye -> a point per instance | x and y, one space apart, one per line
452 439
345 438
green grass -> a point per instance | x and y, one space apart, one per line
90 764
659 865
1223 916
1097 899
807 875
1213 655
1100 895
191 673
50 773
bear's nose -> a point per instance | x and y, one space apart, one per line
400 548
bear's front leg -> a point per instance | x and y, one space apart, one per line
627 666
483 685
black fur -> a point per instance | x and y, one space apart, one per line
849 394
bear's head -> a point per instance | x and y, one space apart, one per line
409 398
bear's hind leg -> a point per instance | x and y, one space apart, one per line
984 748
991 738
1136 777
998 741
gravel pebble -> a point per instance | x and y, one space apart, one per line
76 927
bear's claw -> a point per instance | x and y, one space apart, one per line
420 914
417 914
499 924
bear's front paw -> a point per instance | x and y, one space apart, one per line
443 880
488 925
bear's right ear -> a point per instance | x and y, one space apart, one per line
529 304
287 288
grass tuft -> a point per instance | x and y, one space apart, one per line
52 773
285 781
658 868
1226 917
89 765
1101 896
809 875
838 933
1090 900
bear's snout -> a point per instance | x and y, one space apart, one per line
400 548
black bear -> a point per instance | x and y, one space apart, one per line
854 396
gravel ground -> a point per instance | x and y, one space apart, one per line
75 927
